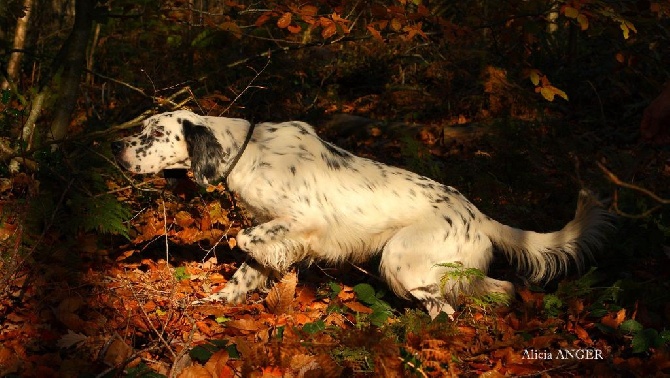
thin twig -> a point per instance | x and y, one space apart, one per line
258 73
612 177
185 349
159 334
617 181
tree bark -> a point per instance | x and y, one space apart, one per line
14 64
73 67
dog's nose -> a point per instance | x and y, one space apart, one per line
117 146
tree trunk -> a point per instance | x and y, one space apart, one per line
73 67
14 64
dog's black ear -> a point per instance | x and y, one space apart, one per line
205 151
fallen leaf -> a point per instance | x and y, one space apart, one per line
183 219
71 339
194 371
614 320
491 374
117 353
329 28
375 33
570 12
294 29
244 324
358 307
303 363
273 371
541 342
280 297
582 334
285 20
9 361
217 365
265 17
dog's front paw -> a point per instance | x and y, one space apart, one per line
231 294
249 277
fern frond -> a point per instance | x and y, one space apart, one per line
104 214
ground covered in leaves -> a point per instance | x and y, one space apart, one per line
126 309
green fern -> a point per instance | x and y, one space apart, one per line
553 305
491 300
73 198
104 214
462 275
457 272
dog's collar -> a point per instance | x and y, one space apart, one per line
240 151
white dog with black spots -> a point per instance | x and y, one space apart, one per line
314 201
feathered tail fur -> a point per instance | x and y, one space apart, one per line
543 256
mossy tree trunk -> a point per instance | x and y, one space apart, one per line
74 62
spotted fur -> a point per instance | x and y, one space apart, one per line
318 202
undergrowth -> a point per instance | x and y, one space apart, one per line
75 196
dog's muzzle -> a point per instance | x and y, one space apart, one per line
117 147
117 150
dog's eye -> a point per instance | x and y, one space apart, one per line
157 133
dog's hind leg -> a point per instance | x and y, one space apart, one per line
429 261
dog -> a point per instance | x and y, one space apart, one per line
314 201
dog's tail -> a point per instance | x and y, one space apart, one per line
543 256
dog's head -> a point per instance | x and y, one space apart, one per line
182 139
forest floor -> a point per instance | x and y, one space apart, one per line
107 307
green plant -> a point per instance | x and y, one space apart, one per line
552 304
361 357
602 299
314 327
142 370
457 272
205 351
492 299
644 338
381 310
181 274
75 196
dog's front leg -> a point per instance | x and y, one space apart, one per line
272 247
274 244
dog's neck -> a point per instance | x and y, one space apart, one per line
218 148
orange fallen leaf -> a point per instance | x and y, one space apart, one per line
294 29
204 328
183 219
542 342
358 307
280 297
583 335
244 324
346 294
467 331
273 371
217 365
285 20
195 371
117 352
614 320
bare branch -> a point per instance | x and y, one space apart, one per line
612 177
617 181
